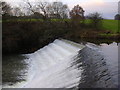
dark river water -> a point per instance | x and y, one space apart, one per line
63 64
111 54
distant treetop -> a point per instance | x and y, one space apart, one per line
117 17
77 10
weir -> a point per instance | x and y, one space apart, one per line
52 66
66 64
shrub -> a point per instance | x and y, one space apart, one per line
95 19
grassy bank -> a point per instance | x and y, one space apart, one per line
111 25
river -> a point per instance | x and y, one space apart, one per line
64 64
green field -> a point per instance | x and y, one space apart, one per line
111 25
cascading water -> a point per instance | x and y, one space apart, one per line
51 66
65 64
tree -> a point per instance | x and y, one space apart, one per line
42 7
58 10
29 7
17 11
36 8
6 8
95 19
117 17
77 11
65 11
37 15
119 7
77 15
0 8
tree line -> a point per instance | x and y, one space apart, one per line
42 10
28 36
48 10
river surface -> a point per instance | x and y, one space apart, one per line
60 65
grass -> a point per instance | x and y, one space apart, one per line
110 25
22 20
27 20
108 35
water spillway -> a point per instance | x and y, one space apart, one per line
66 64
52 66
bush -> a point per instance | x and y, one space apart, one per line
28 36
95 19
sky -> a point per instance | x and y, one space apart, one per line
107 8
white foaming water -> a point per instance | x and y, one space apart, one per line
52 66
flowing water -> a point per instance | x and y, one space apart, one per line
59 65
111 54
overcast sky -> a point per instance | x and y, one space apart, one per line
108 8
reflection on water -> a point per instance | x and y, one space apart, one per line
110 52
13 69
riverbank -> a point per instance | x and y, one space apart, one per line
29 36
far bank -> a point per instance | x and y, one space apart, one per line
29 36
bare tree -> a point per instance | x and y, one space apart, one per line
41 6
6 8
29 7
0 8
119 7
65 11
36 8
46 9
17 11
57 9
